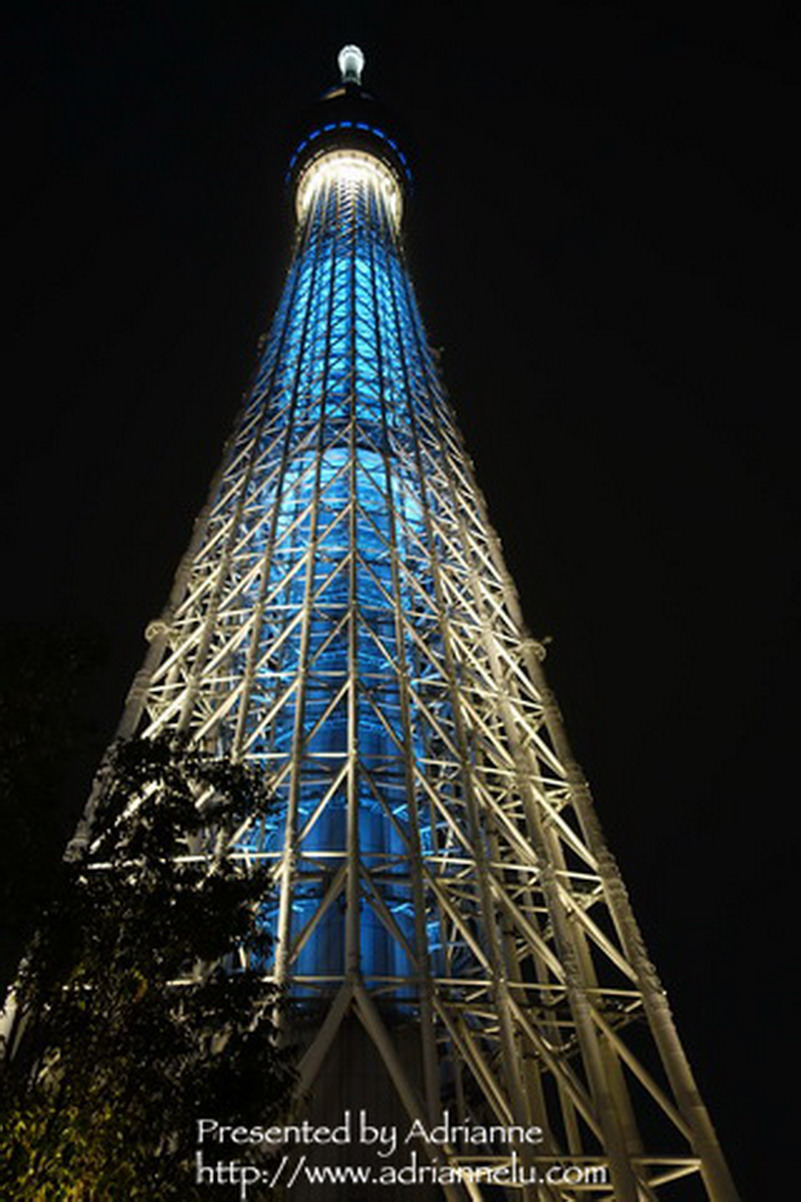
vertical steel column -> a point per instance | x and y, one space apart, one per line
353 886
383 236
284 931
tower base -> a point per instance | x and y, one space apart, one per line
353 1096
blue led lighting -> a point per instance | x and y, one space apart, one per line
331 127
344 375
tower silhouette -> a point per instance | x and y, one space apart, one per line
452 932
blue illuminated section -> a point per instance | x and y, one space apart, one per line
344 376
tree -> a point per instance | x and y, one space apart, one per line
142 993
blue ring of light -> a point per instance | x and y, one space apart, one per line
333 126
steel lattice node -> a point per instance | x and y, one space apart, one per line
449 924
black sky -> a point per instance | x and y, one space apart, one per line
601 238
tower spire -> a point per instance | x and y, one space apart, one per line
351 64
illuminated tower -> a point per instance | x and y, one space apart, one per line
448 919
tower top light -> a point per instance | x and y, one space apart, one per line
351 64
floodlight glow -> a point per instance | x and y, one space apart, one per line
348 167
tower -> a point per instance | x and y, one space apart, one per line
448 920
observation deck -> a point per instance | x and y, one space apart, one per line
348 133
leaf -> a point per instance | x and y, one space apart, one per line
115 1061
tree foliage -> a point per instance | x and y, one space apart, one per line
142 993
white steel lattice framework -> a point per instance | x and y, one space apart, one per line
343 618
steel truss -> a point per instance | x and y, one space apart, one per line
343 618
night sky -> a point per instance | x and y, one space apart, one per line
600 236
